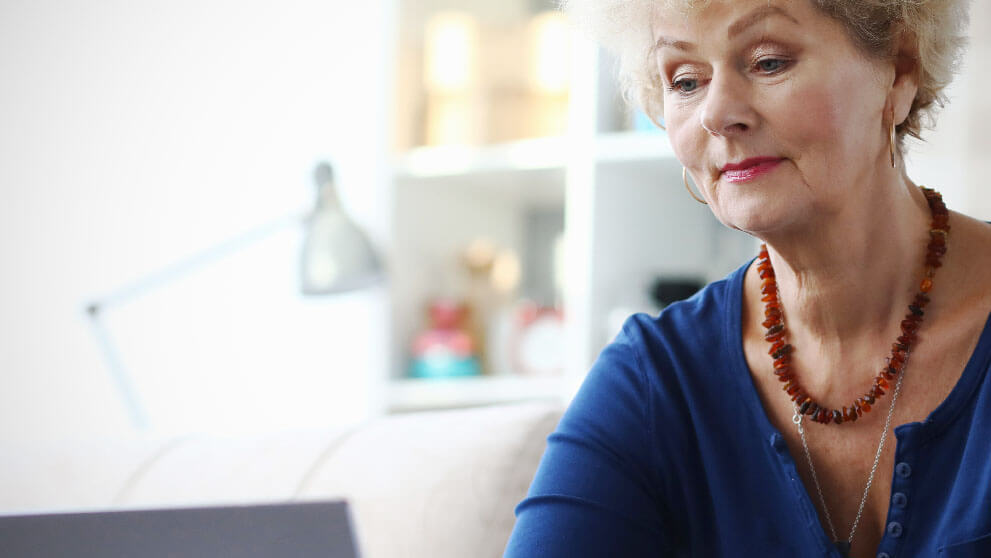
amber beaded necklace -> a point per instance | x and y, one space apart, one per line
781 350
805 405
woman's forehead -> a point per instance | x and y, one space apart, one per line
712 19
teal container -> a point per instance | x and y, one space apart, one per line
437 366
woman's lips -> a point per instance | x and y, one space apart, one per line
750 169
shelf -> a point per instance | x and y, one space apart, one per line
632 146
527 155
414 394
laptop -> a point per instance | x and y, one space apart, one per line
297 529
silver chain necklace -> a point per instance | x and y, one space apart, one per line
844 546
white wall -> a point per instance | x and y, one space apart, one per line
135 133
953 159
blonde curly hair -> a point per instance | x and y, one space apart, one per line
938 26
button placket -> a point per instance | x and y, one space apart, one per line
894 529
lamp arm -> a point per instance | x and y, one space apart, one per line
185 266
157 280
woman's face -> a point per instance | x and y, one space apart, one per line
775 113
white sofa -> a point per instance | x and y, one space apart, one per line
439 484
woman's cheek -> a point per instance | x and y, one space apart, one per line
686 141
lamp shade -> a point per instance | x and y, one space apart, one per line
337 255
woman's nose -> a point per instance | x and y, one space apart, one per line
726 109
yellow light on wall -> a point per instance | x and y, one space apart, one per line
450 52
550 47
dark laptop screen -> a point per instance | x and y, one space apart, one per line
303 529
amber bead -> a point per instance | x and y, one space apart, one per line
837 417
782 362
805 406
769 297
772 313
878 392
846 413
926 285
915 310
768 289
782 351
909 326
813 409
770 322
853 414
774 348
774 336
869 399
882 382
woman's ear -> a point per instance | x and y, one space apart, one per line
905 84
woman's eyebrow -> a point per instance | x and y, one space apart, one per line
738 27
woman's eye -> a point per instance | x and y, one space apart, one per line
685 85
770 64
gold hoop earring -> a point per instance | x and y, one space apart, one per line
684 178
891 142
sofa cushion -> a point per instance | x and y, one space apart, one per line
441 484
433 484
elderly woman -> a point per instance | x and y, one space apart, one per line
754 418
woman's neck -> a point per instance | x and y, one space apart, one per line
845 281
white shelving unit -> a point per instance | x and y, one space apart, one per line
627 220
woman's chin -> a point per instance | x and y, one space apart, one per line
759 216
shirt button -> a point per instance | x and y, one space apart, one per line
884 555
903 469
899 499
895 529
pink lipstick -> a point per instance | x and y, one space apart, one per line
749 169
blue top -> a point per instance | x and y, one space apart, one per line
666 451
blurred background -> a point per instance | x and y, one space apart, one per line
176 259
